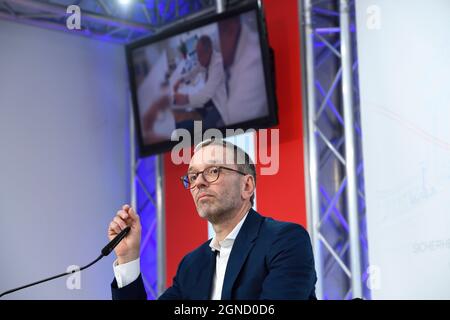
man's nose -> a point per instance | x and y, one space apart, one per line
201 182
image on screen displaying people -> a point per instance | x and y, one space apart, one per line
213 74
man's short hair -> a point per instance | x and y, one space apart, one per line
206 43
241 158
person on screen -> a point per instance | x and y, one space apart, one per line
244 71
209 101
250 257
207 104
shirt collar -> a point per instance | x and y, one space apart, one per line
229 239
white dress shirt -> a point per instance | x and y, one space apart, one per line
223 249
128 272
214 88
247 97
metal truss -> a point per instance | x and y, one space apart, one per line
107 20
147 185
336 206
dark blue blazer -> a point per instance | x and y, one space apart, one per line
269 260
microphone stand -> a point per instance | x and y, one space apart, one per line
105 251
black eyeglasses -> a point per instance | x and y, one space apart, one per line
210 175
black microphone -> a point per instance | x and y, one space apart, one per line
105 251
114 242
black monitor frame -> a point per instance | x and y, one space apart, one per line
267 60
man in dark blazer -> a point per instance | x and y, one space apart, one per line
250 257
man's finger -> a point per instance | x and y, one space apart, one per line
133 214
123 214
114 227
120 222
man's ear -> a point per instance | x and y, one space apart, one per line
248 187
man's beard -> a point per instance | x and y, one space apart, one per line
217 212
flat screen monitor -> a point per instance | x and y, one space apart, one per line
215 71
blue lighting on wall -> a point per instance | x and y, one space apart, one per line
146 189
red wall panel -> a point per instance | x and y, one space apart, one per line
282 196
185 230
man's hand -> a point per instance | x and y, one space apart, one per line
181 99
177 85
128 249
